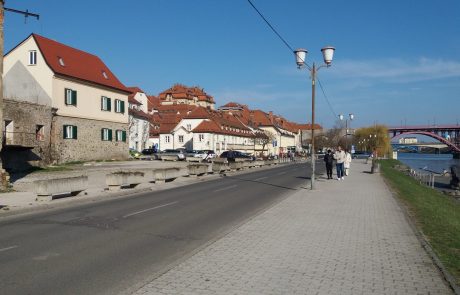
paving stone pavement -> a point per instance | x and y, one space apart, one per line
347 237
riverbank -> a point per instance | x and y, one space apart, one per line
435 214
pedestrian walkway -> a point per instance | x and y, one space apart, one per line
347 237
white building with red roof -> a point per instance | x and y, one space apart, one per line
181 94
139 120
89 117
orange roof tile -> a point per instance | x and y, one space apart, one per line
76 63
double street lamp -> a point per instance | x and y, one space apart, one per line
350 117
300 56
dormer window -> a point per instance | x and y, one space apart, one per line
61 61
105 75
32 57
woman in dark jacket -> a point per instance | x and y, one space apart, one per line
329 159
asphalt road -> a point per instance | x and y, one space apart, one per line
113 246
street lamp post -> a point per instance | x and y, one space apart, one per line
301 54
350 117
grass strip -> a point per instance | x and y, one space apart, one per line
435 214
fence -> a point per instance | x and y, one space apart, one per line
423 177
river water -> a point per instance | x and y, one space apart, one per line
431 162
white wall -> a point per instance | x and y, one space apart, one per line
24 82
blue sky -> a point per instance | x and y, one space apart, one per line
395 62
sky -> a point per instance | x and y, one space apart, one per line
396 62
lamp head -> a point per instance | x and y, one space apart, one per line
300 57
328 54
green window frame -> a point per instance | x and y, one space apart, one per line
106 134
70 132
70 97
119 106
106 103
120 135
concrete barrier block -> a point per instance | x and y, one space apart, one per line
122 179
46 189
163 174
236 165
219 167
219 160
197 169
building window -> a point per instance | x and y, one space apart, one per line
40 132
106 103
189 127
200 137
33 57
70 97
119 106
181 138
167 140
106 134
70 132
120 135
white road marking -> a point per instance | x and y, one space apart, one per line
149 209
8 248
225 188
260 178
281 173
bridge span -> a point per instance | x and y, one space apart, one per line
446 134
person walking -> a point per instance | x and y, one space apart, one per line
347 162
339 156
329 160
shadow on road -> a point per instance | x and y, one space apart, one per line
261 182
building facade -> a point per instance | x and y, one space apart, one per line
89 120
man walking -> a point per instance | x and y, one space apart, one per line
339 156
329 159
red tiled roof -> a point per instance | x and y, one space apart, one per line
152 102
166 128
179 91
261 118
77 63
199 113
207 127
135 89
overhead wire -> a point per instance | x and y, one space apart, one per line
292 51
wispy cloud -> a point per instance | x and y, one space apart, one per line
397 70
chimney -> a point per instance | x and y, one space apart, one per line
270 116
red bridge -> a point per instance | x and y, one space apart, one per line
447 134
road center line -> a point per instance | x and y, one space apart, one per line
225 188
260 178
8 248
149 209
281 173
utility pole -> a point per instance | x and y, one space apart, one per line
3 176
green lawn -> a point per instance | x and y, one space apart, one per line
436 215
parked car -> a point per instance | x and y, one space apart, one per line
206 155
360 155
151 154
179 153
232 155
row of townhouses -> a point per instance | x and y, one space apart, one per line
65 105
